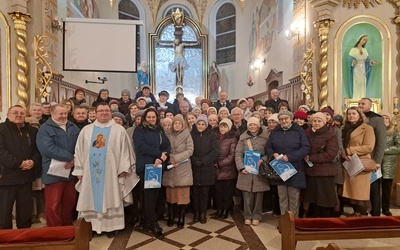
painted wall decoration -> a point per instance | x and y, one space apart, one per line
83 8
267 23
362 57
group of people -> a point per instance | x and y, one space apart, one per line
91 159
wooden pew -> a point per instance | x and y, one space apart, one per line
291 233
81 235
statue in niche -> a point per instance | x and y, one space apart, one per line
213 81
179 64
360 68
142 75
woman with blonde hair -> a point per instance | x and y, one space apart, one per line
358 138
70 107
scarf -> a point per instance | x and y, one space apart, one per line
347 130
149 126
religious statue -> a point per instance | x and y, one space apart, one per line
177 18
142 75
213 81
360 68
179 64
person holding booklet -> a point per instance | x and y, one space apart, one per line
152 147
289 142
252 185
320 194
179 178
358 138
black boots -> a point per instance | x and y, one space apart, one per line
202 218
156 230
170 221
181 214
195 216
224 214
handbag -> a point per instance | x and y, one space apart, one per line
369 165
267 171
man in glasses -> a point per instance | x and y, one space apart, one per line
19 157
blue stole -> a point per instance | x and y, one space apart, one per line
97 160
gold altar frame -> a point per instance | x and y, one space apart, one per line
5 63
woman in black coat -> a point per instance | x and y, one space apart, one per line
206 151
152 147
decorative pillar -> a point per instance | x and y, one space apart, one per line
323 27
20 21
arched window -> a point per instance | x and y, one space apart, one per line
225 24
129 11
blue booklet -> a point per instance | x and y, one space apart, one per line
251 159
284 169
152 176
376 175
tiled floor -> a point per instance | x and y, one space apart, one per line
226 234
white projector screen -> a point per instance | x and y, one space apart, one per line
99 45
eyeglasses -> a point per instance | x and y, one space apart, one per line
18 113
284 118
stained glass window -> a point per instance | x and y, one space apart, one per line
226 34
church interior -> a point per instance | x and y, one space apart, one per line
303 48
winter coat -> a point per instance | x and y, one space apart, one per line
339 167
17 145
76 102
323 151
294 144
389 163
55 143
226 160
206 151
376 122
124 106
362 142
251 182
181 149
149 145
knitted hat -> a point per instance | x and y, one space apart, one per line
338 118
32 120
304 107
202 117
227 122
212 116
79 90
301 115
258 102
285 112
328 110
125 91
256 113
119 115
139 113
141 98
163 92
253 120
205 101
385 113
274 117
166 119
241 100
169 110
211 108
85 105
179 118
196 108
319 115
223 109
113 102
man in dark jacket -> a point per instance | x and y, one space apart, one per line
375 121
274 101
223 101
19 157
80 117
56 141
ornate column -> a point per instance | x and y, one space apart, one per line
323 27
324 9
20 21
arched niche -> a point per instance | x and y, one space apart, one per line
5 67
382 51
195 77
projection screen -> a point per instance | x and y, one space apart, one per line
99 45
